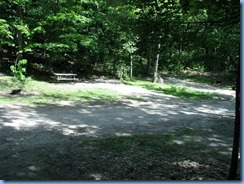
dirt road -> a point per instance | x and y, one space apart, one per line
31 134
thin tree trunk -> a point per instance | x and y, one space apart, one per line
131 66
155 72
149 61
19 36
236 141
148 66
114 67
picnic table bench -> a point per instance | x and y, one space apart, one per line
66 76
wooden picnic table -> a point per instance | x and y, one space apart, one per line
66 76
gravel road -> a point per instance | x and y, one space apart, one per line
26 128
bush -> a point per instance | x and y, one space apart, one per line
19 70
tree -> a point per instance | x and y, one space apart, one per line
155 71
129 47
236 140
91 36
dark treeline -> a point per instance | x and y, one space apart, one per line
133 37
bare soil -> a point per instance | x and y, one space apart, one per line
61 142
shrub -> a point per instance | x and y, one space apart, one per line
19 70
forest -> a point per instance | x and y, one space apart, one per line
121 38
155 92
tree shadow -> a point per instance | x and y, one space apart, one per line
91 140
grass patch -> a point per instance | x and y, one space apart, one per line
177 155
148 141
124 143
7 83
174 90
184 131
186 92
136 142
202 79
95 93
46 93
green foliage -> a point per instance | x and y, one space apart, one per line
6 36
19 70
197 35
129 46
184 92
23 28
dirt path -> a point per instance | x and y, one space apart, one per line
31 133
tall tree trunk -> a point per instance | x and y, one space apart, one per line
114 67
155 72
19 36
131 66
148 66
236 141
149 61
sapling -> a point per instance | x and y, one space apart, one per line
19 71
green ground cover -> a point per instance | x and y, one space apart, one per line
174 90
48 93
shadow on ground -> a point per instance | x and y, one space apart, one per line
128 140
